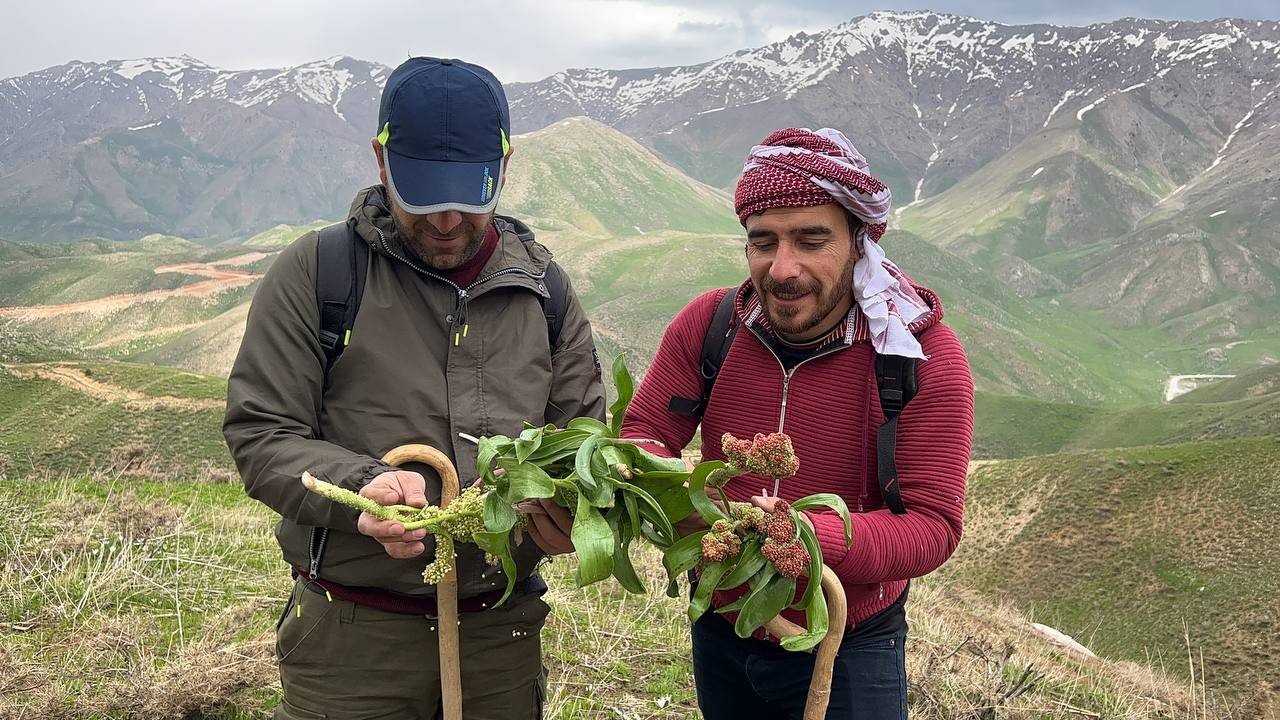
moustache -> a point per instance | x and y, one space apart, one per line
790 288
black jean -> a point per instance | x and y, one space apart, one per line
749 679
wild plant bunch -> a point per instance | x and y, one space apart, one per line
769 552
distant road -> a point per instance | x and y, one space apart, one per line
1183 384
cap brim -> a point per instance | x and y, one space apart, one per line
430 186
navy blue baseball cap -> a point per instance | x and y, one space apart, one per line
445 129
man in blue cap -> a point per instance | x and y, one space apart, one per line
423 318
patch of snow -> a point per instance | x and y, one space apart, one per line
148 125
1220 212
1065 97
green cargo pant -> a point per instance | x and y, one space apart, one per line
349 662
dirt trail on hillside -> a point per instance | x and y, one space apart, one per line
76 379
219 279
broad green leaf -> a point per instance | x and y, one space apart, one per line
633 512
675 504
764 604
526 446
613 458
684 554
749 563
659 518
832 501
582 465
707 584
622 383
734 606
698 493
601 494
623 570
816 622
499 516
488 449
593 542
557 445
525 481
590 425
810 542
498 544
648 462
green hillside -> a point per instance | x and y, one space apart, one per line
281 235
1103 220
583 176
75 417
1008 426
1254 383
1120 548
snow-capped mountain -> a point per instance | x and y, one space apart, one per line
1130 164
175 145
918 89
1107 127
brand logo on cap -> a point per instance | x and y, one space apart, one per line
486 186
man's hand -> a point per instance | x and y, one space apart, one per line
549 525
397 487
766 503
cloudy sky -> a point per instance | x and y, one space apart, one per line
518 39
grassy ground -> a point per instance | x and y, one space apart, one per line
138 599
1134 551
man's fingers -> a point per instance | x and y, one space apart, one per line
386 531
530 507
559 515
381 493
413 488
548 536
404 551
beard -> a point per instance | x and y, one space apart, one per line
418 234
797 321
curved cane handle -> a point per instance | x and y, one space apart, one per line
815 707
447 590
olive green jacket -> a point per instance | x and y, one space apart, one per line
402 379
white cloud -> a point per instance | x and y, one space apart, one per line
518 39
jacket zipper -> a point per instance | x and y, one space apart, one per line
786 382
464 294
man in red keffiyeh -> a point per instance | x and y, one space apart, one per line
821 303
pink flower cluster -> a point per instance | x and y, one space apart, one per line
770 455
790 558
720 543
778 524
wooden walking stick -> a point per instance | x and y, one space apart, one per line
447 589
815 707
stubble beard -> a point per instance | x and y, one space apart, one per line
790 320
415 236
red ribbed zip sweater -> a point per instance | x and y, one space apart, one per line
832 412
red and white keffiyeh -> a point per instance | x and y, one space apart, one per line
798 167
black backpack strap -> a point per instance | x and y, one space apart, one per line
553 307
896 379
342 262
715 347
